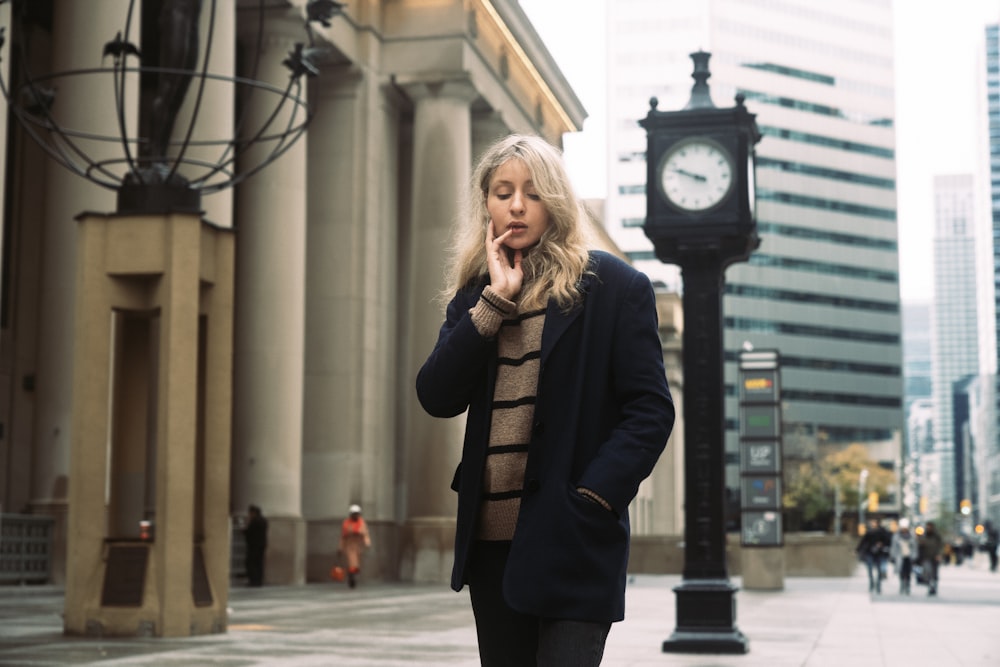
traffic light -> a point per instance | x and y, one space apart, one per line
966 506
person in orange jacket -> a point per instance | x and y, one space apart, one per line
354 539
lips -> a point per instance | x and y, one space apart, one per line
517 228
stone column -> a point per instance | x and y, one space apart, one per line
442 148
214 122
351 324
5 115
82 102
487 128
270 316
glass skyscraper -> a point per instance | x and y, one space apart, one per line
990 458
954 322
823 287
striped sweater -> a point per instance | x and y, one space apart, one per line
519 344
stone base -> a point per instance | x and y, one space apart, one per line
426 550
129 596
763 568
285 558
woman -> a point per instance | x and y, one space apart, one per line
555 353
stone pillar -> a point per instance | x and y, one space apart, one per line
214 122
5 74
82 102
351 324
442 148
270 317
487 128
667 478
171 582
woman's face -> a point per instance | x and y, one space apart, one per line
514 205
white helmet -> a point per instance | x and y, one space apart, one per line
354 509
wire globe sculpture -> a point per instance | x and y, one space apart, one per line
170 164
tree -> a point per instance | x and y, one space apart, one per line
807 492
811 489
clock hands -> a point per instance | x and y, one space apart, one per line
685 172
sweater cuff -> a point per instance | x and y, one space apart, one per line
590 495
490 311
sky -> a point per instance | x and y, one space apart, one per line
936 47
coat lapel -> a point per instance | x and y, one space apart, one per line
558 321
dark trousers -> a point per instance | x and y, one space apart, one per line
930 566
255 566
876 570
508 638
905 571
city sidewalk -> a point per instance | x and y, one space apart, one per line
813 622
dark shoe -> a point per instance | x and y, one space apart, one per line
351 581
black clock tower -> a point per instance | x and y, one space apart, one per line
700 216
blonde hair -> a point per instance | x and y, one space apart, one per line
552 268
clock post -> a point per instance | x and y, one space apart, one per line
700 216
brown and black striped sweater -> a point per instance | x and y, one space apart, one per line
519 345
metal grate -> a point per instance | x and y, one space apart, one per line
25 548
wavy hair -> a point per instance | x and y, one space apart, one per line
554 266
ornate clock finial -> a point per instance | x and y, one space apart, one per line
700 96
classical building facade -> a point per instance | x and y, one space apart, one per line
340 245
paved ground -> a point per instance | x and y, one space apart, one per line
816 622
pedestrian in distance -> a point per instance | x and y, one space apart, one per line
930 548
552 349
354 540
873 550
255 535
991 541
902 552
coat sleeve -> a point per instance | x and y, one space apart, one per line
455 368
642 399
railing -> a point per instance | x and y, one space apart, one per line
25 548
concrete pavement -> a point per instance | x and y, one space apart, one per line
814 622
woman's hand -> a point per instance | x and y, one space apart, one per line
505 278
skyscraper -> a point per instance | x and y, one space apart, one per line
916 352
989 295
823 287
954 322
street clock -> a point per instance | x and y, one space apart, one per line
700 186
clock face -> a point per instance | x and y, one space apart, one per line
696 174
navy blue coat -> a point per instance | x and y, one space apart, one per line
602 418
